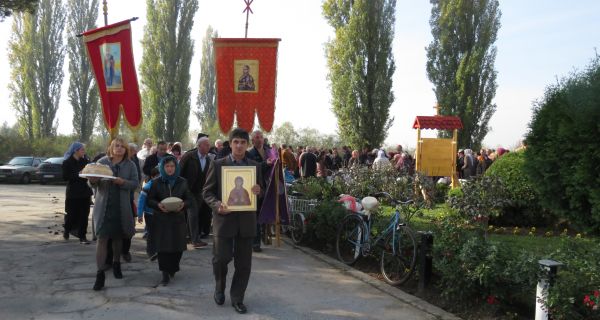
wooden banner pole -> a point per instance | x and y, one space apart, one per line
277 220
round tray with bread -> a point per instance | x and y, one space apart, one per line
96 170
171 203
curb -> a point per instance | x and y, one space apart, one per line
409 299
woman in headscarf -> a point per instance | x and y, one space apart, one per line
169 229
381 162
78 195
112 209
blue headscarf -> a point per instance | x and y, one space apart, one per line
74 147
163 175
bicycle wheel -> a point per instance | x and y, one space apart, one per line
399 256
349 240
297 228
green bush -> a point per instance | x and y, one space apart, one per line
522 206
479 199
580 276
472 270
323 224
563 149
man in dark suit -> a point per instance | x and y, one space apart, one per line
153 159
194 168
233 231
260 153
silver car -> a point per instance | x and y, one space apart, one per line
20 169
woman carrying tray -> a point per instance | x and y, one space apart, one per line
169 226
112 209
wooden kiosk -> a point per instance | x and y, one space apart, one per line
435 156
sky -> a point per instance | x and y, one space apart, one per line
539 42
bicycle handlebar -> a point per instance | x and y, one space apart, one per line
392 199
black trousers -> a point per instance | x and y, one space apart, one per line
150 246
204 218
240 250
76 219
169 261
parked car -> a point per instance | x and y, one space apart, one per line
21 169
51 170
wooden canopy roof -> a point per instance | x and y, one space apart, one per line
437 122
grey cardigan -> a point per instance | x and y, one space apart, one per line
128 172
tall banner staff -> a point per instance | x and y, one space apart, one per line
246 85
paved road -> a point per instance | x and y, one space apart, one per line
44 277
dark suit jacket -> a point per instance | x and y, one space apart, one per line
193 173
229 225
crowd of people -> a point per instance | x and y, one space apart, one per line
165 170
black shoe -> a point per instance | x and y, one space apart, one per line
99 284
84 241
126 257
239 307
65 235
256 249
165 278
117 270
219 298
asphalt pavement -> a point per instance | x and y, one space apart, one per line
44 277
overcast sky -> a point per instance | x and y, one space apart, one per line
539 41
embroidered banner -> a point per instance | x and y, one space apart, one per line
111 56
246 81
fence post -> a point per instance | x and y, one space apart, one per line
425 259
549 270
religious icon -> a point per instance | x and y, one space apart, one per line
236 188
111 65
246 75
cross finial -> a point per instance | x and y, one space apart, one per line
248 11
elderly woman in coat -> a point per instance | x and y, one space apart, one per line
112 209
169 226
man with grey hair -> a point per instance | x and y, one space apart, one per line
194 167
260 153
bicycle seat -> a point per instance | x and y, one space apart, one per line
369 203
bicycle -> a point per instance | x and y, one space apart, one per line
397 241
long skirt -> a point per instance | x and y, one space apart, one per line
76 219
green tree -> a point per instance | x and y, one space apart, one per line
460 63
361 66
563 152
165 68
8 6
207 96
83 92
36 57
284 134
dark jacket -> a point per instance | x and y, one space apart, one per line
233 223
254 155
308 163
169 229
150 162
193 173
77 188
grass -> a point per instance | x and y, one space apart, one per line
538 243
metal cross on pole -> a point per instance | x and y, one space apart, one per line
248 11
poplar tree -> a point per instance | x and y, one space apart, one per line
36 57
361 66
83 92
207 97
165 68
460 63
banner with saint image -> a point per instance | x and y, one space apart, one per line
111 56
246 81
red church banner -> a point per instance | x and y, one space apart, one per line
246 81
111 56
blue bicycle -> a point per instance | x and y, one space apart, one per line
397 241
